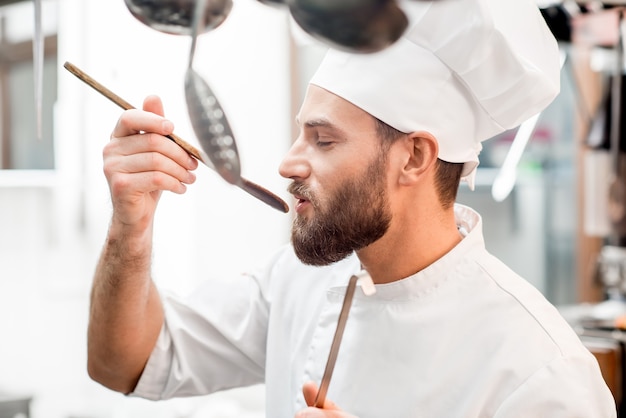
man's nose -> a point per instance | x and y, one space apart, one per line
295 164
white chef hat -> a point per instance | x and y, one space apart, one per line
465 70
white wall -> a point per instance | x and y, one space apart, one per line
52 226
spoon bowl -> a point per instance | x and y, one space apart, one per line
211 127
207 116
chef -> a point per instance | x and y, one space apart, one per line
385 139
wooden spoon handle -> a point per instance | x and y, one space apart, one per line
334 348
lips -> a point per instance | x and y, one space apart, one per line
300 193
301 203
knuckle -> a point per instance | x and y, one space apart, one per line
123 122
126 117
158 180
118 184
110 160
154 141
107 170
155 161
108 150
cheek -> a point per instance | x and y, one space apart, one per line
320 193
324 177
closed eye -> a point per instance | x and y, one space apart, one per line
324 142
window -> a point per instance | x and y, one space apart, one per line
20 148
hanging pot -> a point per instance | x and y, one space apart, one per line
353 25
176 16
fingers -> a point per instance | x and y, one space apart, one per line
312 412
138 146
152 155
150 119
153 104
150 143
309 390
134 121
140 162
330 410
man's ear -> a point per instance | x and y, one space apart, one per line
421 154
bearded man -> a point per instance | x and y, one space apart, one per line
384 141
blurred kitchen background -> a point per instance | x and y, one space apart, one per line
54 202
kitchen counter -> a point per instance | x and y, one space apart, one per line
14 406
606 343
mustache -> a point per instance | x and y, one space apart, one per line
300 189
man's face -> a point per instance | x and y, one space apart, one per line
339 180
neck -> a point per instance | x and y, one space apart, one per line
413 242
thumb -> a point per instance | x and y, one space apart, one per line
309 390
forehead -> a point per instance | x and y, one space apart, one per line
321 105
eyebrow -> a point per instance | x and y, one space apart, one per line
322 123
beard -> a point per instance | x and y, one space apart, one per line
355 216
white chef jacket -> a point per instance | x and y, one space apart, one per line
465 337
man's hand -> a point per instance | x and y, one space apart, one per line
330 410
126 315
139 163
